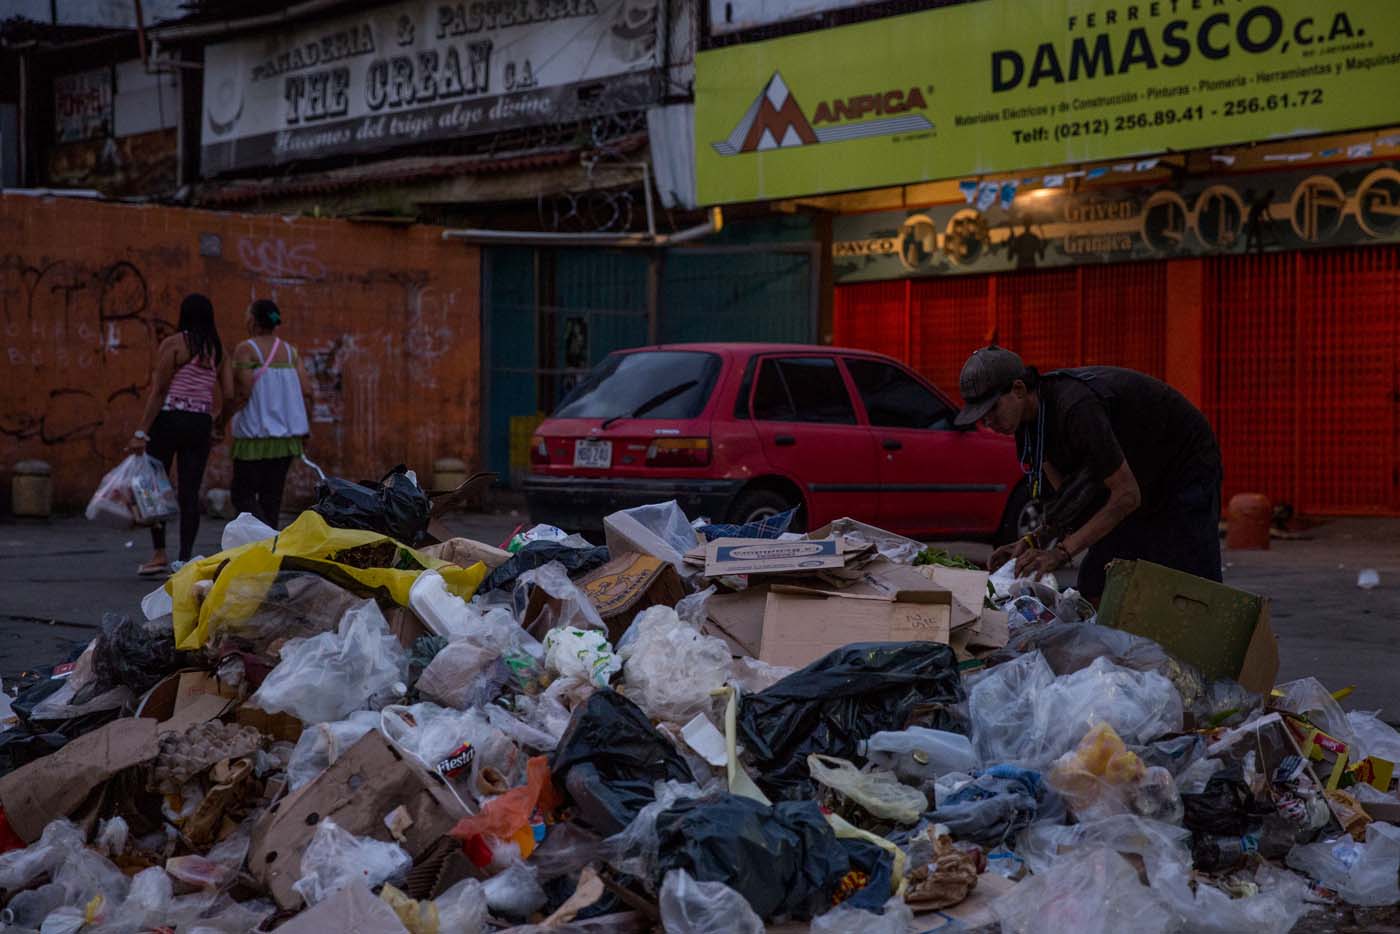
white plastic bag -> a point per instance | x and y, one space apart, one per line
321 744
514 891
457 744
245 530
880 793
690 907
1360 873
335 858
1308 697
580 653
1022 714
328 676
671 669
1004 578
136 491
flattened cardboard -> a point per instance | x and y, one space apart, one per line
801 625
737 618
969 590
55 786
281 726
726 556
352 910
628 584
405 625
1222 631
359 789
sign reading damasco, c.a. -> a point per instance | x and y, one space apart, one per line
422 70
1002 85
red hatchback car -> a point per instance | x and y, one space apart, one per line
737 432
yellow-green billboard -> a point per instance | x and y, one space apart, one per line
1003 85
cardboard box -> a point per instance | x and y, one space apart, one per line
628 584
466 552
1222 631
280 726
405 625
801 624
359 789
55 786
969 590
727 556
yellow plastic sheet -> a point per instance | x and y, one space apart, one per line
308 544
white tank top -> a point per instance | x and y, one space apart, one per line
275 408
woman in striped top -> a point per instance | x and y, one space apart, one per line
191 389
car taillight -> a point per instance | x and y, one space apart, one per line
539 451
679 452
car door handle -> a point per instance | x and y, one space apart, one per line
890 444
784 441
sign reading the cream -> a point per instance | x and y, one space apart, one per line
1003 85
418 71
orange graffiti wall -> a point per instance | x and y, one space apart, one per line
388 319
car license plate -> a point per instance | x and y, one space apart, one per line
593 454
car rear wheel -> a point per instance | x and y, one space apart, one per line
1023 516
757 505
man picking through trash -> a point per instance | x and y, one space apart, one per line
1098 429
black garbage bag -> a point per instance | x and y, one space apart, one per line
844 697
537 554
1225 808
871 879
609 759
784 858
132 654
394 506
20 746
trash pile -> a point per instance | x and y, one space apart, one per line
691 728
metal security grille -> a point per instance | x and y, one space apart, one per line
1301 379
1115 315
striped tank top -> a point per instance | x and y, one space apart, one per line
192 388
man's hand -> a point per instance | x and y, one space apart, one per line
1036 562
1007 552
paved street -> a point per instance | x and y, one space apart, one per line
59 577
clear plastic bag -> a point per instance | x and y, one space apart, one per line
1088 892
335 858
671 669
321 744
657 529
918 754
1046 843
462 908
514 892
1374 737
897 919
879 793
136 491
463 675
457 744
579 653
1101 777
1004 579
568 606
690 907
635 851
245 530
274 606
328 676
1021 713
1307 697
1360 873
751 675
890 546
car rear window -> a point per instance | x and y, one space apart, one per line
648 384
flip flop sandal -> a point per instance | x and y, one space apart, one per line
153 570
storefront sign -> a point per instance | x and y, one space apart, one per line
1002 85
1350 204
728 16
419 71
82 105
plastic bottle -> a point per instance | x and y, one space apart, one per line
1218 854
919 754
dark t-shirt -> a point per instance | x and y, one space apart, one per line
1097 416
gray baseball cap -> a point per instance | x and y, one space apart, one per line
986 375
